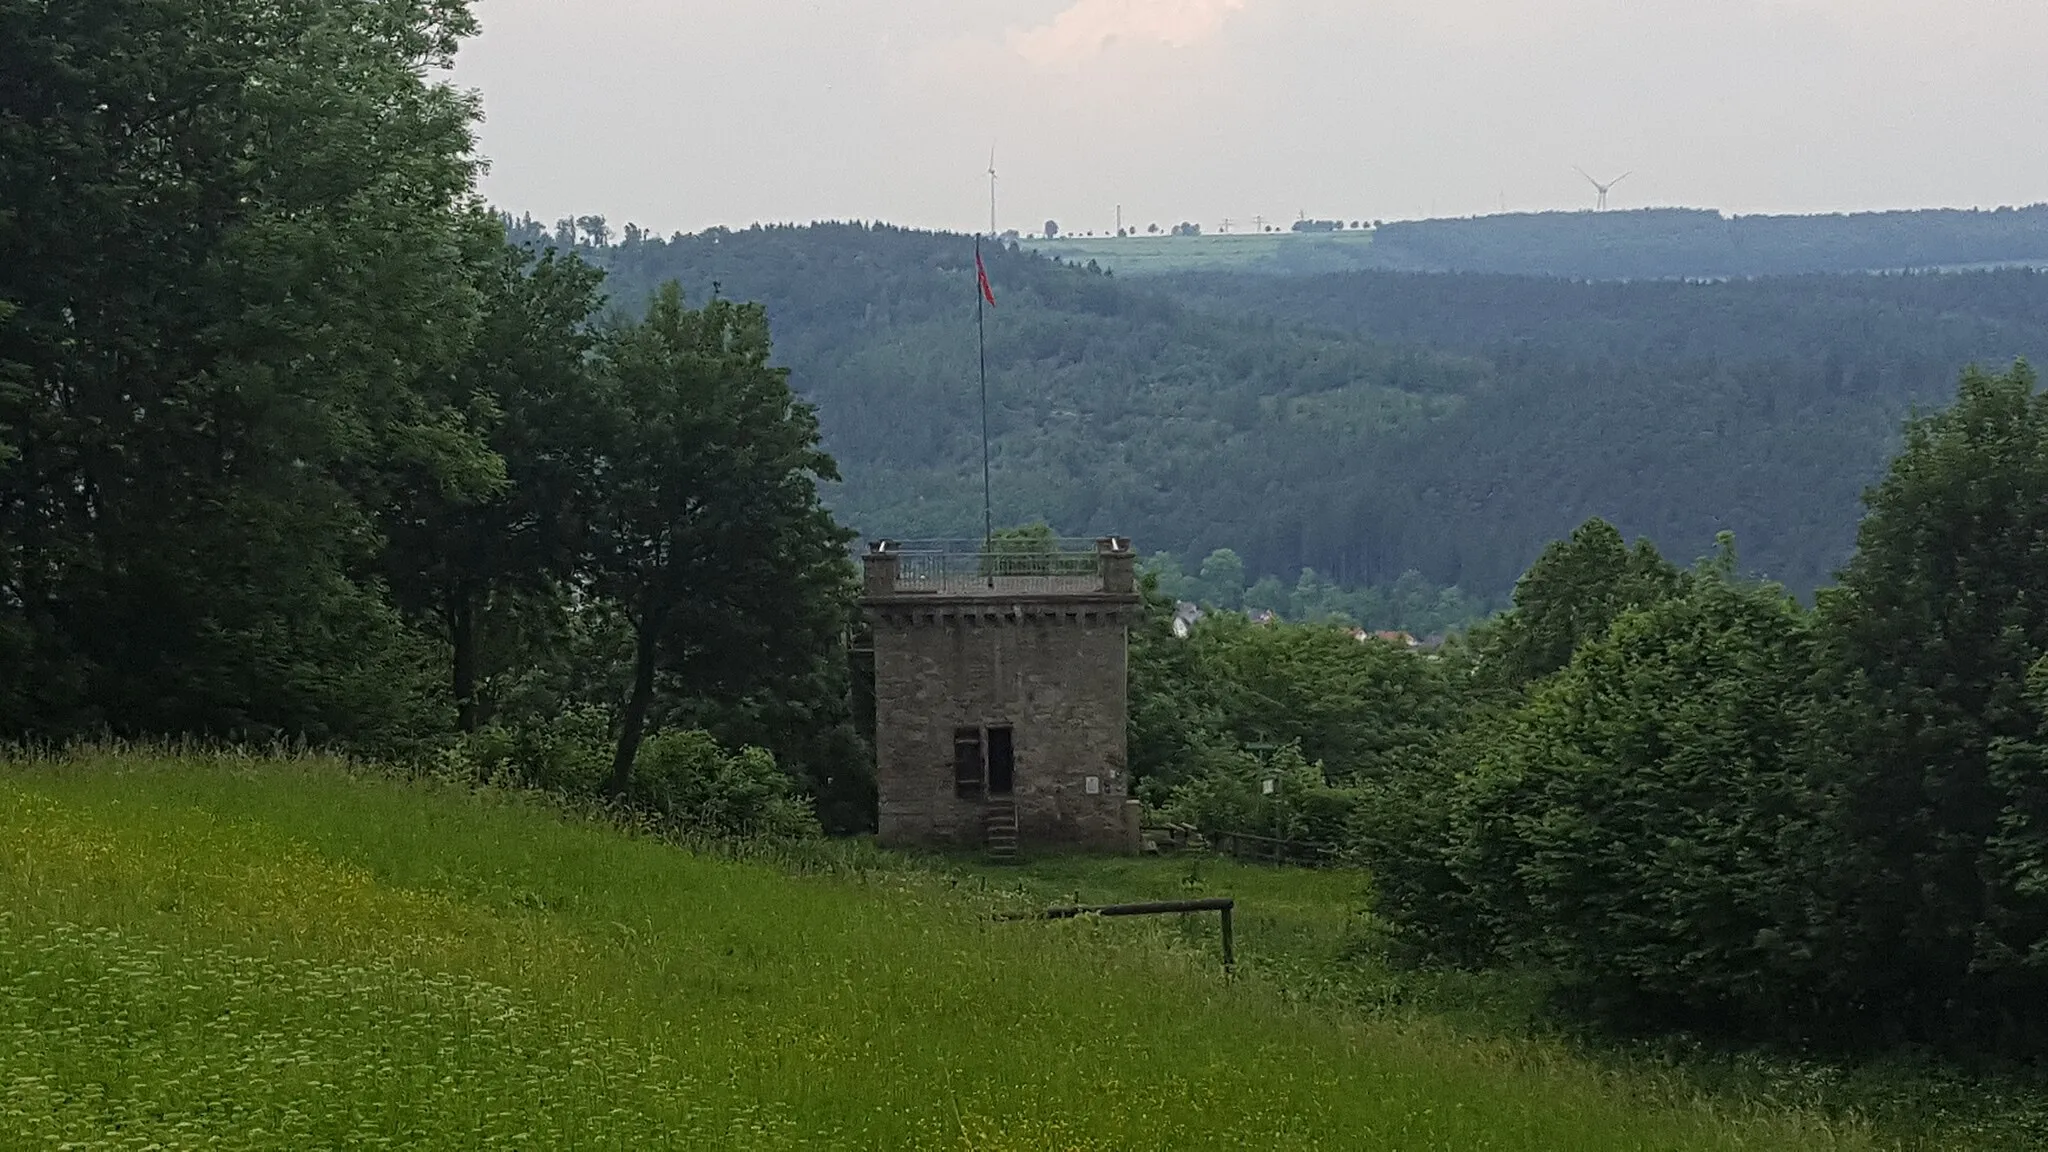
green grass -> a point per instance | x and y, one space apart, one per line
1308 934
231 953
1274 252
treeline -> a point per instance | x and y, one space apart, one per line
1409 604
1696 803
1697 244
294 445
1633 245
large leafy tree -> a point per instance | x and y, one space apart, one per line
711 536
1939 619
526 380
1645 823
237 238
1570 596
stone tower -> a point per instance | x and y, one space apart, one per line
1001 683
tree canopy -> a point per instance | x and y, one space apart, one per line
230 300
1701 805
294 444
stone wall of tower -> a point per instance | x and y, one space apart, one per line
1054 672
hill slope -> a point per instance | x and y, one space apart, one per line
1363 424
1676 410
1113 408
251 955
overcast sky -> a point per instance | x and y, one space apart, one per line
680 114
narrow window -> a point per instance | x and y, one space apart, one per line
1002 762
968 767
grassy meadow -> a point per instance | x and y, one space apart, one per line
1142 255
228 952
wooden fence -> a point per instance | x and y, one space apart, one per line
1224 905
1239 845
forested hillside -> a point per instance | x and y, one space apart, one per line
1362 425
1676 410
1112 407
1681 243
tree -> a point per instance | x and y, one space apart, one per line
1570 596
1222 579
1165 568
1314 598
1052 229
596 230
1365 711
1171 712
528 376
238 246
1938 625
1644 825
2015 863
1268 595
711 536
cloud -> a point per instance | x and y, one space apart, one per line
1088 27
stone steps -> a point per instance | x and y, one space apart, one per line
999 829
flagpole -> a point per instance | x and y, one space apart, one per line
988 513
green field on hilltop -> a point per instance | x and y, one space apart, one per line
1275 252
248 954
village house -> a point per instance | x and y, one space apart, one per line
1403 639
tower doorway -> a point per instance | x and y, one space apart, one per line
1002 762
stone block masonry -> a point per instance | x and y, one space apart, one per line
999 693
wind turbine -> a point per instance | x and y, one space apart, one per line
1602 188
991 191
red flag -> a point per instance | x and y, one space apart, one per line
981 272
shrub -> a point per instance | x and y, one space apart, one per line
1407 831
687 777
1227 793
569 752
682 776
